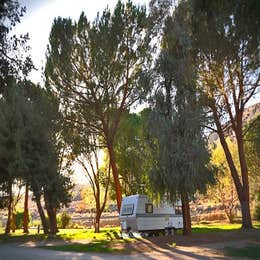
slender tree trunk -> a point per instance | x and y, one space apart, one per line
26 211
97 221
10 202
42 215
186 213
116 176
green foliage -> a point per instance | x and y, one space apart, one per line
224 191
19 219
98 68
257 206
64 220
98 71
14 49
29 149
132 153
226 35
252 148
257 211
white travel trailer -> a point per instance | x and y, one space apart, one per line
138 214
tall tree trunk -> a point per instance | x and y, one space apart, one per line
241 188
116 176
10 202
245 210
53 220
244 196
42 215
26 211
186 213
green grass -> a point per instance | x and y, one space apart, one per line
217 227
214 228
252 252
88 234
95 246
64 234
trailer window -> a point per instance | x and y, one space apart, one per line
148 208
127 209
178 210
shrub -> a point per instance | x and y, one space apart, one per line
63 220
19 219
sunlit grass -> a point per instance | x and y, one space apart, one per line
218 227
89 234
108 234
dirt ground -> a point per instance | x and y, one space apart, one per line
207 245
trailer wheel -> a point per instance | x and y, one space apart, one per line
167 232
130 234
172 231
144 234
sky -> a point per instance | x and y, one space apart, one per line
39 17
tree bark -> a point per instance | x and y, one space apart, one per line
53 220
244 195
245 210
26 211
116 176
9 217
97 221
186 214
42 215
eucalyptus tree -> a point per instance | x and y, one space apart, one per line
227 37
97 70
176 126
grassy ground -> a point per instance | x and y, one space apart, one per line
64 234
218 227
252 252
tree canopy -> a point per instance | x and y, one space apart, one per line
97 69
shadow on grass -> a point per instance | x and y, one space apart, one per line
252 252
63 235
13 238
101 246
